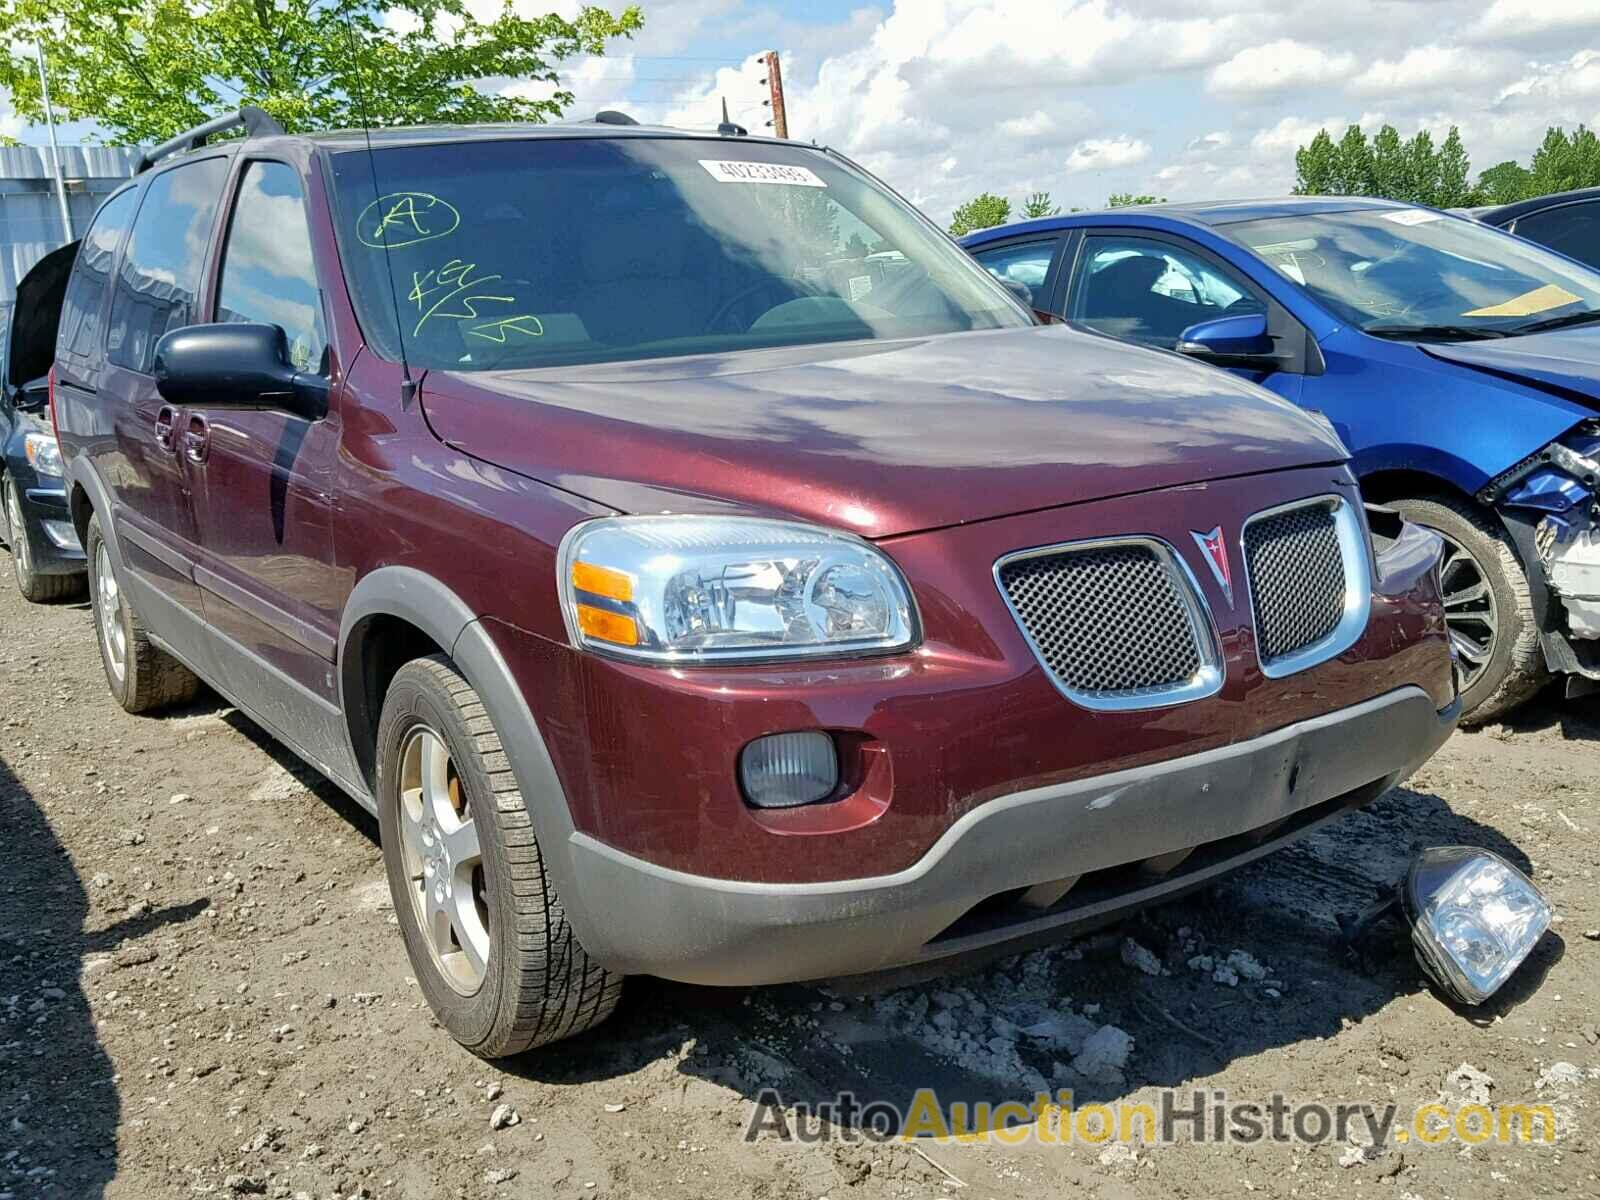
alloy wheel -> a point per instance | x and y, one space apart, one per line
16 533
1470 612
108 605
443 861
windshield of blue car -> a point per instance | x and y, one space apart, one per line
550 251
1416 273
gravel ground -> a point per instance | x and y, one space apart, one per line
202 992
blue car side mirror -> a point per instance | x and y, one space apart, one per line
1230 341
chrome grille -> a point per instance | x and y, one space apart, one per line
1297 578
1113 622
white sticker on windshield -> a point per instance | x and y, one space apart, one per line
724 171
1413 216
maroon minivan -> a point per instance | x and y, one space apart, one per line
703 568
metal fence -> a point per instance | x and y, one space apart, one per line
30 218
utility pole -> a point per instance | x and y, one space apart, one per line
55 151
774 80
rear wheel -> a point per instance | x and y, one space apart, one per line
142 677
35 588
1487 606
484 929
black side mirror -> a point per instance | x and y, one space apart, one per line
1241 341
1018 289
236 366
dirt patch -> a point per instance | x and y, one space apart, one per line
202 992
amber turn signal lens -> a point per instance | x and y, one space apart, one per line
606 626
602 581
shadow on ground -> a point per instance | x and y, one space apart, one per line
59 1106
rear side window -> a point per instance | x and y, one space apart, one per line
268 275
1572 229
161 267
79 334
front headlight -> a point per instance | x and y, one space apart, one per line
1474 918
721 589
44 455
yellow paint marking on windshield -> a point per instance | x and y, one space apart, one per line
496 331
1541 299
455 279
404 219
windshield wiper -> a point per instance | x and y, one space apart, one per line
1588 317
1436 333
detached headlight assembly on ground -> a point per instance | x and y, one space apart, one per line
720 589
44 454
1474 918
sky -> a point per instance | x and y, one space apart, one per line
1183 99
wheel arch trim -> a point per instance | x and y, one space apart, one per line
430 606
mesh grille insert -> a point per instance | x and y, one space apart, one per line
1297 582
1105 620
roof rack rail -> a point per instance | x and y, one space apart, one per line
610 116
254 121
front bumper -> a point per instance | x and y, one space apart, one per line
1118 835
47 524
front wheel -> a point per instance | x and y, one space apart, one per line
1488 607
484 929
35 588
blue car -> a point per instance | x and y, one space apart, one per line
1460 364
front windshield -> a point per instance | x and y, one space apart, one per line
545 251
1414 273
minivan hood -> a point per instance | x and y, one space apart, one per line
1565 360
879 437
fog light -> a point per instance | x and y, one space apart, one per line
62 534
1474 918
789 769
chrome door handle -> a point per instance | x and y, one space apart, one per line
165 419
197 440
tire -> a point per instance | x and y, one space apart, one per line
1514 668
492 951
35 588
149 678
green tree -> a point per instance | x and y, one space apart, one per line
1392 168
1354 173
981 212
1039 205
1563 162
1502 184
1454 169
1412 170
145 69
1128 200
1315 166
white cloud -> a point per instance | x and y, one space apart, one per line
1277 65
1425 68
1575 78
1035 124
1522 18
1100 154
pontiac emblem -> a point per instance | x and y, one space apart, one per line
1215 549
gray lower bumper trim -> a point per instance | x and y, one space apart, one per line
647 919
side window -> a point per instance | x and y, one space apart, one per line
161 268
1026 263
1151 291
81 307
1572 229
268 275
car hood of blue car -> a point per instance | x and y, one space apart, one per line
1566 361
